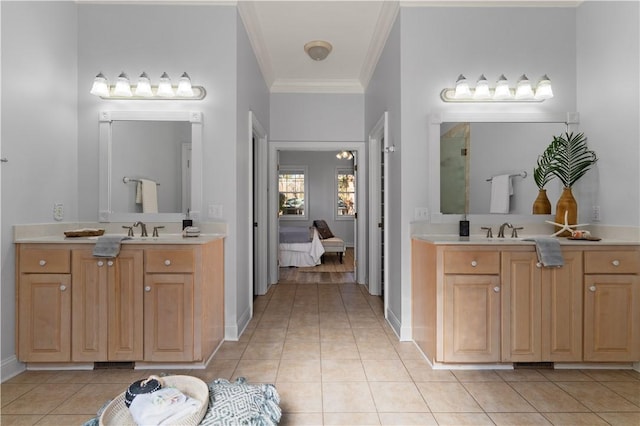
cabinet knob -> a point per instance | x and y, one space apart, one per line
616 262
42 262
538 265
496 289
110 263
474 263
147 289
63 287
167 262
100 263
592 288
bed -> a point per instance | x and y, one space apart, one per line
299 246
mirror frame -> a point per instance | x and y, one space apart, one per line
106 119
571 119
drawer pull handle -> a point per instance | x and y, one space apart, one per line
167 262
616 262
474 263
592 288
42 262
147 289
496 289
100 263
63 287
538 265
110 263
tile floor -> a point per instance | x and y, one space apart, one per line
336 362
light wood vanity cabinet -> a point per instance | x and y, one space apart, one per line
612 306
151 303
490 304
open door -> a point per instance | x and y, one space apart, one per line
258 140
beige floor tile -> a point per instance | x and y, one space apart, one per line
523 375
269 335
370 335
462 419
565 375
407 419
331 322
42 399
273 322
575 419
364 322
304 320
385 370
337 335
498 397
301 419
12 391
379 353
343 370
397 397
300 397
231 350
20 419
258 350
33 376
300 370
351 419
621 419
629 390
339 350
303 333
547 397
349 397
447 397
519 419
306 349
217 369
421 371
477 376
89 399
408 351
610 375
597 397
63 419
257 371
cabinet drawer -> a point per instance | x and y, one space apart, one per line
169 260
471 262
612 262
45 261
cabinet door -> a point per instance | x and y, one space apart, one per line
168 317
89 304
44 318
125 294
471 318
611 318
521 307
562 310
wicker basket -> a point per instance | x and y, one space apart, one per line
117 413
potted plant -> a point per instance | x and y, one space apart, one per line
542 175
571 160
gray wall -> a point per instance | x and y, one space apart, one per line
321 199
39 117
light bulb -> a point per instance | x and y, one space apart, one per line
100 86
543 89
523 88
184 86
143 88
502 89
123 87
462 88
164 86
482 89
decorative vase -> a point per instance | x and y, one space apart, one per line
566 203
542 205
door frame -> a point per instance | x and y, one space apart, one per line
361 200
378 136
257 130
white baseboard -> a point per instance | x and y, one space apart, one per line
10 367
394 323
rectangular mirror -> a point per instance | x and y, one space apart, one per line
467 150
161 147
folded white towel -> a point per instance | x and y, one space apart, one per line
162 407
501 190
149 196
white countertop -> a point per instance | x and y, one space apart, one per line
162 239
448 239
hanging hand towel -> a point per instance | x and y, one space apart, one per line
501 190
149 196
139 192
548 251
108 245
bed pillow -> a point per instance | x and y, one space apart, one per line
323 229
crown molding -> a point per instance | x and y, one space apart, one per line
163 2
385 22
247 13
337 86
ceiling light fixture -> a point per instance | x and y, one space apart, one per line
143 90
523 92
318 50
344 155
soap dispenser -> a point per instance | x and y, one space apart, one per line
187 221
464 227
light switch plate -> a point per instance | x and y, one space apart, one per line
58 211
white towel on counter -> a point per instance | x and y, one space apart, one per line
147 194
501 190
166 406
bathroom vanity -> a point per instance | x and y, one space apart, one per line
489 301
161 300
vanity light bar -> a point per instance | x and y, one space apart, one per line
523 92
123 90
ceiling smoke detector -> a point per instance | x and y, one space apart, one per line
318 49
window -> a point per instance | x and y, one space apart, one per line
292 188
346 189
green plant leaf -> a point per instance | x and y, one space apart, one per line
542 173
572 158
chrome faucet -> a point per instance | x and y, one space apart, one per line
143 227
501 230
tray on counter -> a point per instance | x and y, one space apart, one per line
83 233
